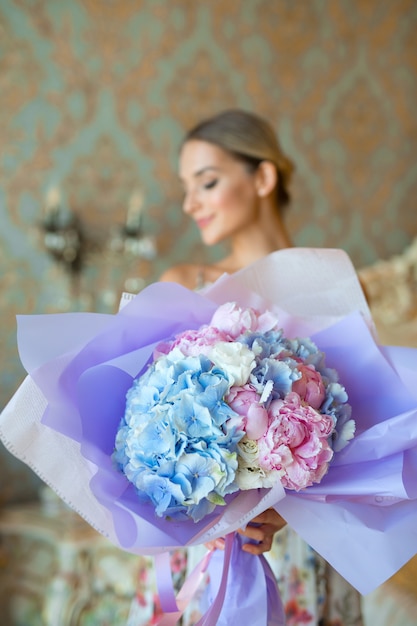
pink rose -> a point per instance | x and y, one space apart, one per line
296 441
310 386
245 401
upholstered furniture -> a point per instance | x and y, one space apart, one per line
55 570
391 287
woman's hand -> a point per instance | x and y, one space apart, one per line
261 530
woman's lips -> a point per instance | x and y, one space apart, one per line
203 222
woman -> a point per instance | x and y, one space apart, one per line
236 181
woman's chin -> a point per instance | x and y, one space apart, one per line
210 239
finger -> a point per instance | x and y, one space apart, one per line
258 548
270 516
262 518
258 533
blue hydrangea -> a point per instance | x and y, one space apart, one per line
177 442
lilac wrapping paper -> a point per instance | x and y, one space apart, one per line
62 421
249 599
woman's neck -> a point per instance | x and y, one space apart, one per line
255 243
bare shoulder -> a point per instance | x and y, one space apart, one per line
185 274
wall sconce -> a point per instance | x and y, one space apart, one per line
62 235
130 238
65 240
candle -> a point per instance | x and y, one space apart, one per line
134 211
52 206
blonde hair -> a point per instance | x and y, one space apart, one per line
250 139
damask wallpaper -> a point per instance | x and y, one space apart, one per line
96 95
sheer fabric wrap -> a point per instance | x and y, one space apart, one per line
362 517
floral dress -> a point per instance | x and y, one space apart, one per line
312 592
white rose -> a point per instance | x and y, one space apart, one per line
254 478
235 359
249 475
248 452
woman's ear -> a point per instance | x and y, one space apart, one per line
266 178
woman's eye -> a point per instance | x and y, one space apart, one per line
210 184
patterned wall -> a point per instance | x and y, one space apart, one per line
95 97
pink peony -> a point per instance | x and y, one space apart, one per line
310 386
192 342
296 441
266 321
234 321
245 401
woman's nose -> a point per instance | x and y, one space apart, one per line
190 202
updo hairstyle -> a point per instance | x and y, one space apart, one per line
250 139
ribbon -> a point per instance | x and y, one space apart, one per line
241 586
251 596
174 608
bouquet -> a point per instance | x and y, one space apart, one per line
93 377
233 405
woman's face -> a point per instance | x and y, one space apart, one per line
220 193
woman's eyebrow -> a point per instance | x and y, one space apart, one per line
205 169
200 172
